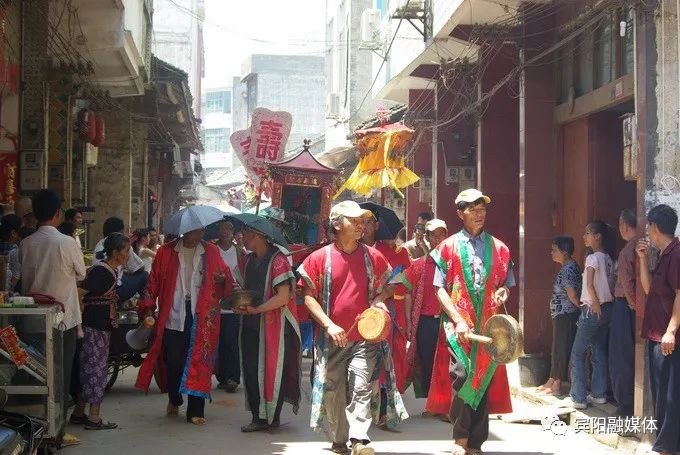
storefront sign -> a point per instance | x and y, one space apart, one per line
8 178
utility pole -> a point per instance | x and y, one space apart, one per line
435 150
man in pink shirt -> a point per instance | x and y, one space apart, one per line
340 281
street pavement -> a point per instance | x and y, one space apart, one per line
144 429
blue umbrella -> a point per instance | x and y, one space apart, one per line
191 218
259 224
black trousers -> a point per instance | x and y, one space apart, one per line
69 350
250 347
228 363
426 336
75 372
563 331
664 372
175 350
468 423
622 354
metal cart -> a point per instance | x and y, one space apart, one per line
36 388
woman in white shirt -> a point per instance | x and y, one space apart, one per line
140 245
593 324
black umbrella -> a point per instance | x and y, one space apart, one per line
390 225
259 224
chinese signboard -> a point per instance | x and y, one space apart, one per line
265 141
8 178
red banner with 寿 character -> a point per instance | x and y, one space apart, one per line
264 142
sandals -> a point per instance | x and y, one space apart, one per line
255 426
340 447
197 421
101 425
459 450
172 411
78 420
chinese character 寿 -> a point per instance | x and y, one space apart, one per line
269 140
245 144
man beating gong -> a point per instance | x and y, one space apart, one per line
472 281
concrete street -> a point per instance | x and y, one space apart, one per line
144 429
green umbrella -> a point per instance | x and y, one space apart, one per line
259 224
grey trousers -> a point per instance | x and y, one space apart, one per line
348 390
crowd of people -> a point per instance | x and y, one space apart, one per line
437 288
596 309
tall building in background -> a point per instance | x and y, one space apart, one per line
293 83
178 39
349 68
217 127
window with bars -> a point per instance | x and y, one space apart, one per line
216 140
218 102
597 57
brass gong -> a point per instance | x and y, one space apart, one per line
502 338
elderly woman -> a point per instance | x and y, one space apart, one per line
270 321
98 319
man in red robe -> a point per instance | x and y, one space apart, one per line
472 280
188 278
425 311
397 257
269 335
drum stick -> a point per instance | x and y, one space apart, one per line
479 338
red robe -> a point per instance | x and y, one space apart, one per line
397 339
197 376
484 376
271 379
416 278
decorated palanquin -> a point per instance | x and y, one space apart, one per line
303 188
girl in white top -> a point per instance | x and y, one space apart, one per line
598 272
593 325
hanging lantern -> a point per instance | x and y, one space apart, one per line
99 136
86 125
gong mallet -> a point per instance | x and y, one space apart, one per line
502 338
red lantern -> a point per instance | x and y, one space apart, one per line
86 126
98 140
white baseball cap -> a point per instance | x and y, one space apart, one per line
435 224
348 209
472 195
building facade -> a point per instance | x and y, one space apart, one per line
216 127
178 39
80 112
563 112
291 83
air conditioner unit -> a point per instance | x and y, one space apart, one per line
425 193
370 29
332 105
452 174
91 155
